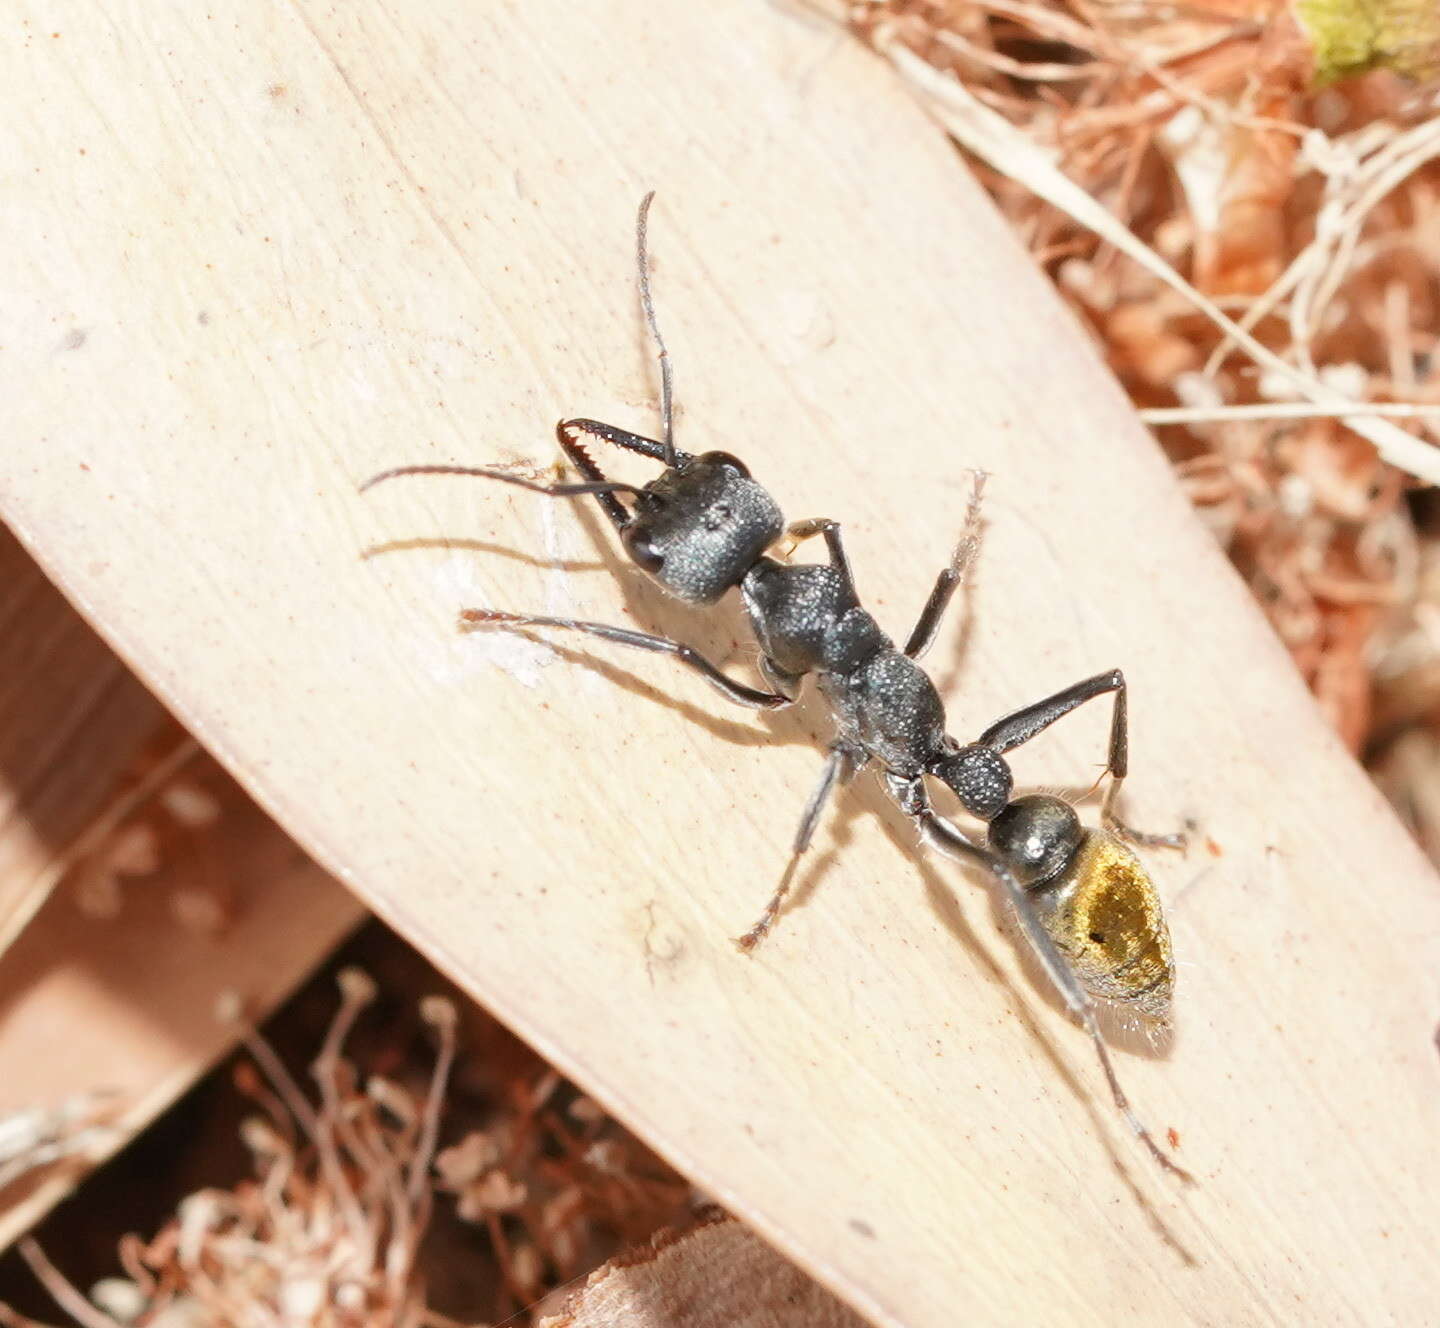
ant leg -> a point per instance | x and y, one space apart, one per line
946 838
787 684
823 525
839 769
1119 768
948 582
1026 722
740 693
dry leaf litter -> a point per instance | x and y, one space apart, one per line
1242 202
331 1228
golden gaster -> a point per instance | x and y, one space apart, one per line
1104 913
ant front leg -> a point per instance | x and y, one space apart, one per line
834 545
948 582
1026 722
752 698
840 768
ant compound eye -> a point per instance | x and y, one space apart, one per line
725 459
640 548
1038 836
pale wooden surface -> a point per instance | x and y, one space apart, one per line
307 243
123 1005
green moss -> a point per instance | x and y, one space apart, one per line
1355 36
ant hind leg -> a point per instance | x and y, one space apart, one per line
946 838
840 768
1177 839
1019 727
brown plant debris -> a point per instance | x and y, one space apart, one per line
712 1274
550 1171
1254 239
331 1228
40 1136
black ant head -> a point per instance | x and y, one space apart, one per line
1038 836
978 776
700 526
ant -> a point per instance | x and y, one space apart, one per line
1085 904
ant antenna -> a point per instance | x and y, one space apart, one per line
495 473
642 254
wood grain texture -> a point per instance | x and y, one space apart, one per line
262 253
